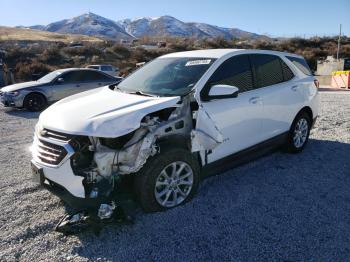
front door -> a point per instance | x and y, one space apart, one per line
238 119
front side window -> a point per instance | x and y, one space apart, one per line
268 70
72 77
172 76
235 71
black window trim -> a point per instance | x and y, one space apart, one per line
204 93
108 77
291 69
255 76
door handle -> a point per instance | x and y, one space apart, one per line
294 88
99 84
254 100
78 85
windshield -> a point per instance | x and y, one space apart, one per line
166 76
49 77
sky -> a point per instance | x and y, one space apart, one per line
283 18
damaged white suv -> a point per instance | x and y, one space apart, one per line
178 117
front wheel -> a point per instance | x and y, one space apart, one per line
34 102
299 133
167 180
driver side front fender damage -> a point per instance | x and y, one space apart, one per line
112 161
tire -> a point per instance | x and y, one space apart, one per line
299 133
34 102
151 182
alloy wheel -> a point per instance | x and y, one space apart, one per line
174 184
300 133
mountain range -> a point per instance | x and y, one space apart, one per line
165 26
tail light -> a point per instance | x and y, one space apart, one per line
317 83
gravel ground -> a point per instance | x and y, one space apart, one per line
279 208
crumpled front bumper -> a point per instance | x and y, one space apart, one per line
41 174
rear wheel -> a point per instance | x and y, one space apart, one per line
34 102
299 133
168 180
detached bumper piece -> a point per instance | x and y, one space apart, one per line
83 221
118 208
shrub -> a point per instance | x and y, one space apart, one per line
25 71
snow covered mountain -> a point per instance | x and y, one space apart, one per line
95 25
89 24
170 26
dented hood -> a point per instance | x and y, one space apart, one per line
102 112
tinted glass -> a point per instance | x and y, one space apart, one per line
167 76
268 70
287 72
94 67
106 68
301 64
70 77
347 64
235 71
96 76
85 76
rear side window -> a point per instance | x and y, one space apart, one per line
287 72
268 70
96 76
301 64
235 71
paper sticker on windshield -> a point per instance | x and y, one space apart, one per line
198 62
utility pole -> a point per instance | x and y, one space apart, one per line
338 43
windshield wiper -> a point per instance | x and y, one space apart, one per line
141 93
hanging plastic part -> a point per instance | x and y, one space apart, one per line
206 136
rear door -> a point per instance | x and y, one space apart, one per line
239 120
280 93
68 86
96 79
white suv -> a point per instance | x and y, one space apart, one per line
178 117
108 69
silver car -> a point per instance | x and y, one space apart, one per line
36 95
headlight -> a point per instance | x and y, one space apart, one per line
14 93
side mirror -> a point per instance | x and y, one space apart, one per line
222 91
60 80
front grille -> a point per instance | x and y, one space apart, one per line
50 153
55 135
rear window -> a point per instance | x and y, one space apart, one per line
94 67
301 64
106 68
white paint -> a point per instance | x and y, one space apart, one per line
102 112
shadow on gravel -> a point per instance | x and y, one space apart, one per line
22 113
279 207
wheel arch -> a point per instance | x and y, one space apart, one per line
307 110
35 92
181 141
